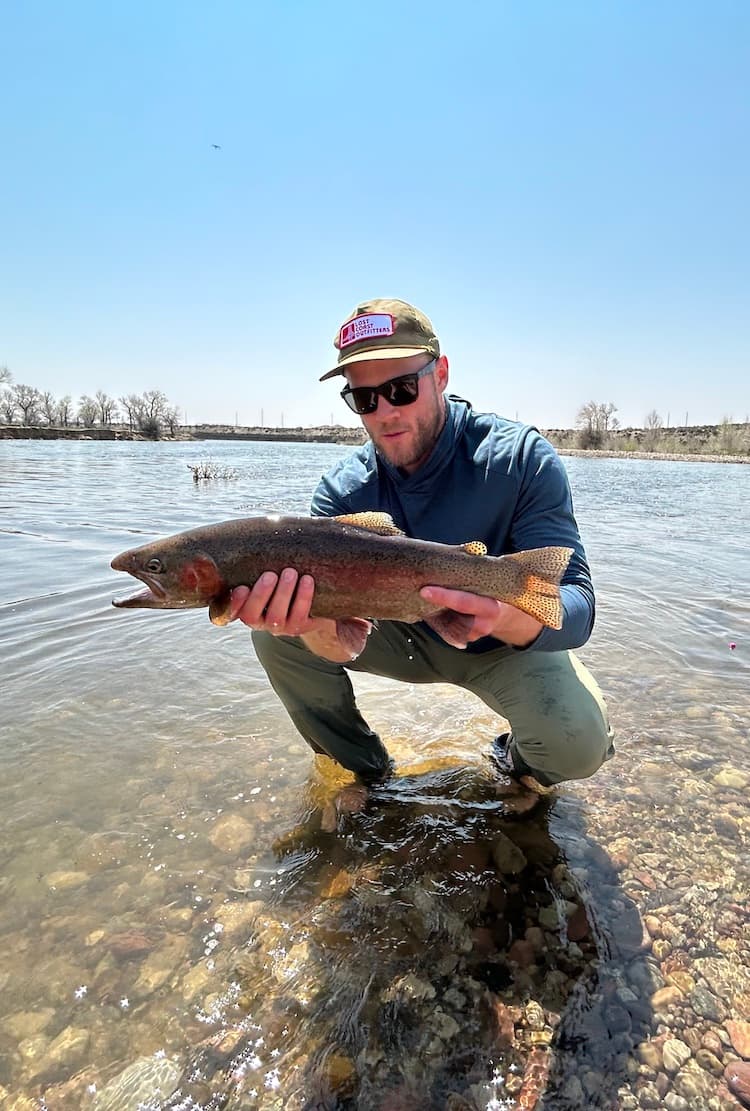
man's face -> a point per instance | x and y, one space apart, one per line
405 435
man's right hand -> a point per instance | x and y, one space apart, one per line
280 605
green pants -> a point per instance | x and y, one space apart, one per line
559 723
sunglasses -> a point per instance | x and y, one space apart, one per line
397 391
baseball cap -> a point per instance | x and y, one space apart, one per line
383 329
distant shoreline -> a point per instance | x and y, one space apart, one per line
662 456
334 434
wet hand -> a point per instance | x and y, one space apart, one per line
491 618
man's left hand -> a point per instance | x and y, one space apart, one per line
491 618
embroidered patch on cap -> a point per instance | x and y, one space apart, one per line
368 326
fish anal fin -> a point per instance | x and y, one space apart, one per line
453 627
474 547
381 523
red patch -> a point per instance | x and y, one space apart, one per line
201 578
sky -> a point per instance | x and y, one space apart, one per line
562 187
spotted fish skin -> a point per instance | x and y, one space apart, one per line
363 566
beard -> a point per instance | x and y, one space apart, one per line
413 448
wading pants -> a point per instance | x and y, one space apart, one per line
559 723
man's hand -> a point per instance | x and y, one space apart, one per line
491 618
280 605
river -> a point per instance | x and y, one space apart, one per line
180 931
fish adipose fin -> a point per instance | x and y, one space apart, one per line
382 523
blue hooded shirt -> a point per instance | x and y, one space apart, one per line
488 479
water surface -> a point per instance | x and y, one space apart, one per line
175 908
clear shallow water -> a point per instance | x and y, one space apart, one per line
161 822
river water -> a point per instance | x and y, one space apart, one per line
180 928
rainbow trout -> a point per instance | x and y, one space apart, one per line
363 566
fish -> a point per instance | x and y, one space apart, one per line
365 569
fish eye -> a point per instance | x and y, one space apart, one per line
155 566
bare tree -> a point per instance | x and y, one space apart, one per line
63 410
5 376
107 408
8 407
49 407
155 405
653 421
172 419
595 419
133 406
28 399
88 411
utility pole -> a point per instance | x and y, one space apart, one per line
686 420
282 420
262 422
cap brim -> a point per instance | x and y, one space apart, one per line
373 353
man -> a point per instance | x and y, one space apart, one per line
448 474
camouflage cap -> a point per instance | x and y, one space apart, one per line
383 329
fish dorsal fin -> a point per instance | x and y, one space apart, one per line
474 547
381 523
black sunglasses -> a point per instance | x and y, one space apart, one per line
396 391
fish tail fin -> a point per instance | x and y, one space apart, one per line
539 583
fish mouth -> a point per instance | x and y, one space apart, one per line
154 594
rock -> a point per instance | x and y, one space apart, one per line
675 1055
508 858
25 1024
533 1015
521 953
232 834
666 997
128 945
64 881
732 777
739 1035
68 1048
340 1074
338 886
737 1076
709 1062
578 924
706 1004
144 1082
651 1054
673 1102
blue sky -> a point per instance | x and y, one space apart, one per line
561 186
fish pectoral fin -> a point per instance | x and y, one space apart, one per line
353 633
453 627
220 608
474 547
381 523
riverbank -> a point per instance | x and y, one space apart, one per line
696 443
664 456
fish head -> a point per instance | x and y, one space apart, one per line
175 576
